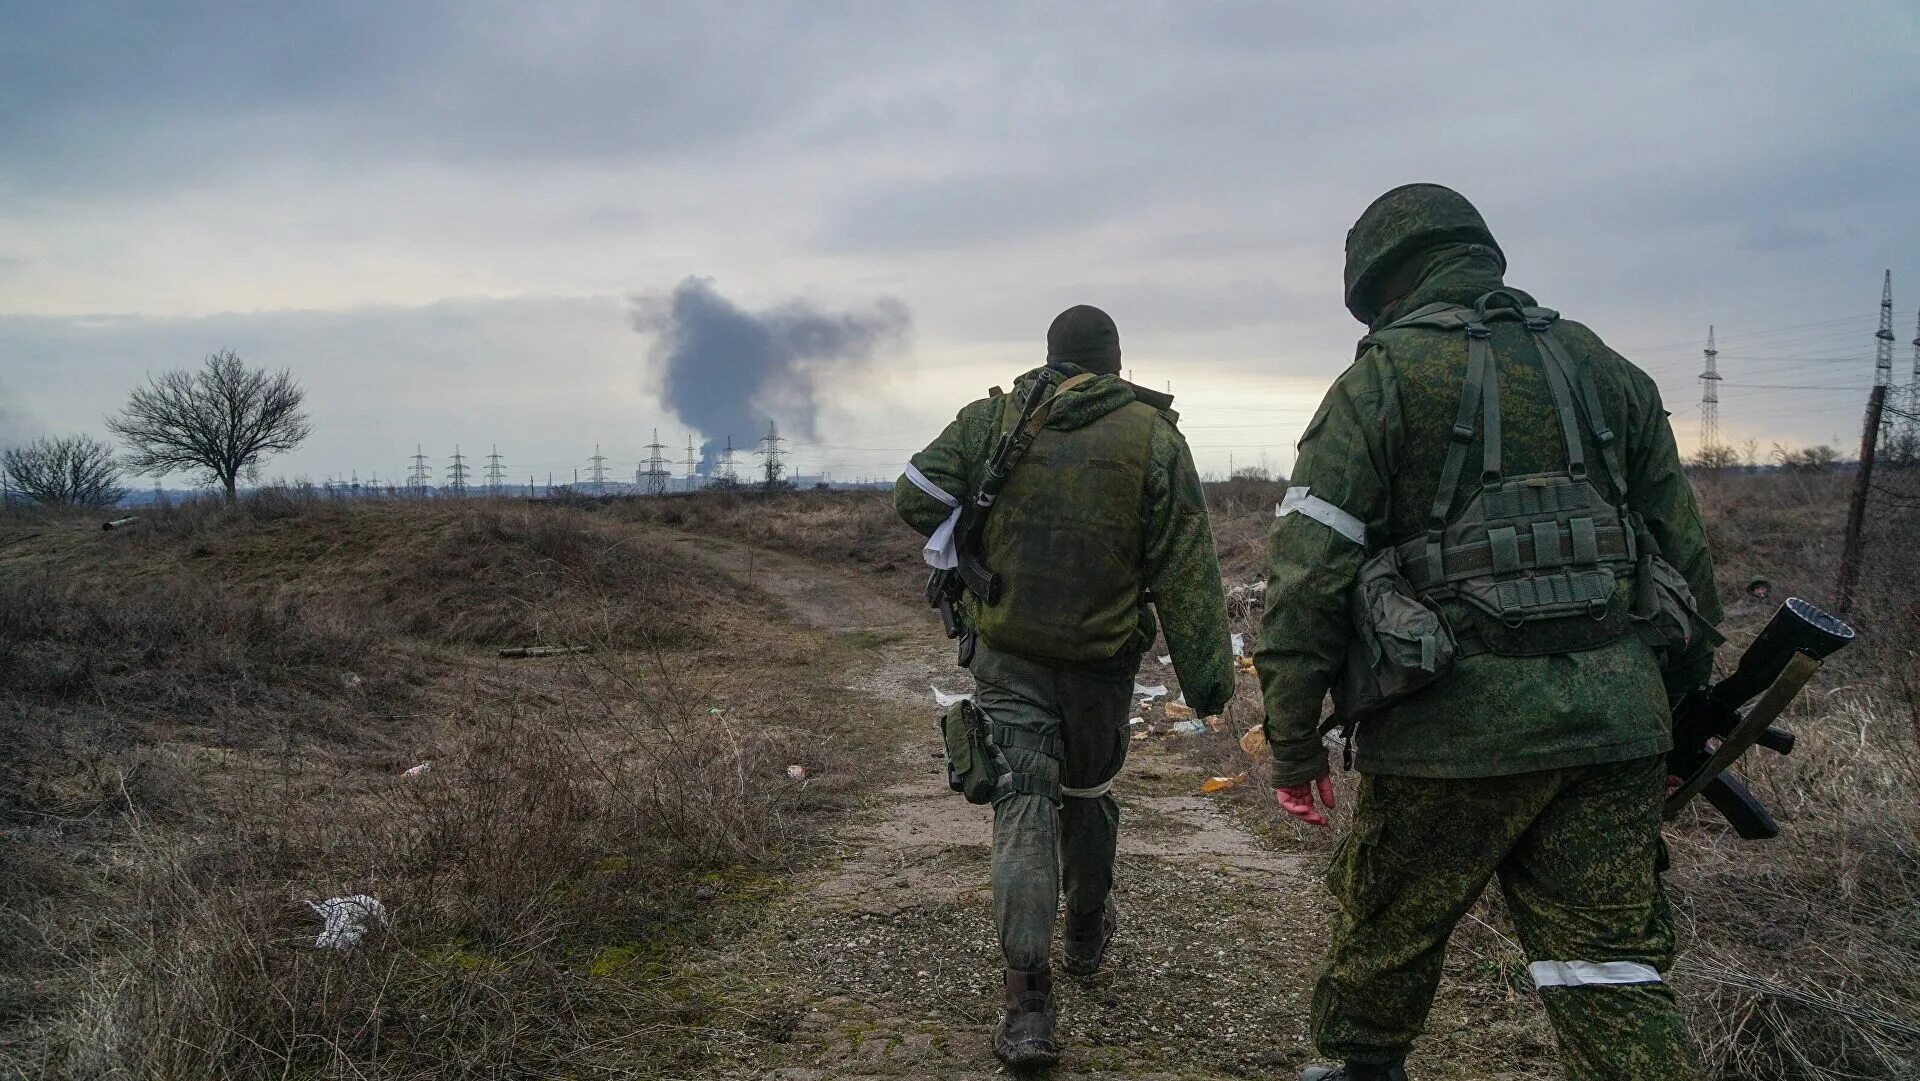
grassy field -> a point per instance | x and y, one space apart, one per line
207 717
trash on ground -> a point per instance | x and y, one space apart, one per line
350 680
1215 723
1166 658
1221 784
118 523
346 919
1138 736
945 700
1158 690
798 773
1245 664
1188 728
1255 742
1180 711
543 651
1239 645
1136 720
420 770
1245 600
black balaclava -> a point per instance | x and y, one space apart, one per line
1085 336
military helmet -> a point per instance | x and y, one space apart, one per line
1400 223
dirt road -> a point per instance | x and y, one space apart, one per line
882 963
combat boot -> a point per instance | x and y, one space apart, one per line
1356 1071
1024 1038
1084 945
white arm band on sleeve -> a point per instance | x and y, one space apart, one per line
1301 501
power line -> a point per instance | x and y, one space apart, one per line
771 452
1883 338
457 473
417 476
1710 396
597 473
496 473
652 474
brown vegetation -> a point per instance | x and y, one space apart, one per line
208 718
213 709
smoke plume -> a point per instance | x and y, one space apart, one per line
729 371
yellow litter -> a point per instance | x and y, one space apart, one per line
1221 784
1178 712
1254 742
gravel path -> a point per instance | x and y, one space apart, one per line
882 963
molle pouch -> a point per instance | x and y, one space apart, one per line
971 763
1401 643
1665 611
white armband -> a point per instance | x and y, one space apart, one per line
1301 501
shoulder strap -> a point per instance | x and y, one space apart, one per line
1559 385
1472 391
1603 435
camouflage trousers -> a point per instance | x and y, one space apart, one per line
1064 728
1577 853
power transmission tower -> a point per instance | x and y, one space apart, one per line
770 450
692 459
725 468
1710 400
417 476
496 473
457 473
653 468
1883 338
597 473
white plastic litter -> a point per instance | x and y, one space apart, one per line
1188 728
1158 690
797 773
1239 645
420 770
1166 658
1182 700
945 700
346 919
1136 720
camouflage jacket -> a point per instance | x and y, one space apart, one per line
1179 565
1374 449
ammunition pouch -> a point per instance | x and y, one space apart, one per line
976 767
1664 611
1401 641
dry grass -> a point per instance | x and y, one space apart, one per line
196 752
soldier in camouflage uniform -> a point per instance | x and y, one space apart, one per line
1538 760
1102 524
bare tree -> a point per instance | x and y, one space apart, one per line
68 471
1820 459
220 421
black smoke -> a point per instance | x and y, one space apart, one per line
728 371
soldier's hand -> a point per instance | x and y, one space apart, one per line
1297 800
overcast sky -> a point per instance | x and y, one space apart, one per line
444 218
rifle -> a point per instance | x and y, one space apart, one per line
945 588
1710 733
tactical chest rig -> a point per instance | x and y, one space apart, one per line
1536 557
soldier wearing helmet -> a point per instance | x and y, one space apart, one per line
1492 560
